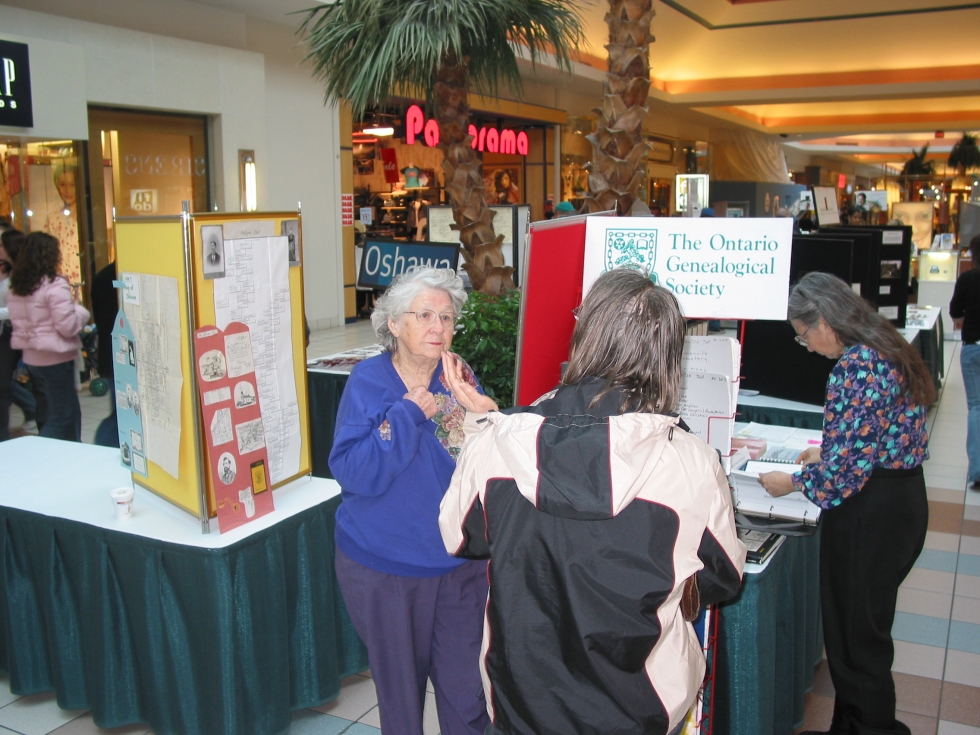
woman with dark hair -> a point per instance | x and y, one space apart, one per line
966 306
505 191
46 325
867 476
600 514
10 243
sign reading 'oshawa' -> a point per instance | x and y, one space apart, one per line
484 139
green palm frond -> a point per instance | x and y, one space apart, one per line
366 50
965 154
917 165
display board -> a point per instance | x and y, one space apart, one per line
825 200
154 248
552 278
277 327
183 272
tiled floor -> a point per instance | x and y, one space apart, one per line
937 627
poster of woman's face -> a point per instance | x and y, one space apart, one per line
502 184
213 251
919 216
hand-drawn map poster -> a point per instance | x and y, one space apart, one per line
233 429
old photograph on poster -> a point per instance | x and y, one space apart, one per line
213 251
290 230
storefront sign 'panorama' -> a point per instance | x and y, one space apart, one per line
718 268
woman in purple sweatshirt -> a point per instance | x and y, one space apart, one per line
399 431
46 323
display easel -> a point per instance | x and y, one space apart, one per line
172 246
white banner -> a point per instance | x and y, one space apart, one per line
718 268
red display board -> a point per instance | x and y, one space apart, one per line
237 455
552 288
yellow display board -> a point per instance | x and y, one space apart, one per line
174 247
155 246
205 314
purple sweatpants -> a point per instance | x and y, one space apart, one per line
417 628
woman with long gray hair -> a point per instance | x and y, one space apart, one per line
599 512
867 476
399 430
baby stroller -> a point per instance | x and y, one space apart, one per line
98 386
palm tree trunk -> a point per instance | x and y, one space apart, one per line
618 166
484 260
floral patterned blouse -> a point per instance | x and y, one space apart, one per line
868 422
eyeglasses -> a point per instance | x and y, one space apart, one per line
801 338
427 318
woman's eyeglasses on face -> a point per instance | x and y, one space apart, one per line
801 338
427 318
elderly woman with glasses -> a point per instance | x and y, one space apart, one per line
418 609
867 476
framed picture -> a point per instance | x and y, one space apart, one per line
917 215
289 228
503 184
213 251
364 157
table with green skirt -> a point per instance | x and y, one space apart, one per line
770 636
148 620
770 640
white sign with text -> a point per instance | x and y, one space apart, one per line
718 268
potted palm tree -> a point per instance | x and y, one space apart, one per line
618 167
366 51
917 166
965 154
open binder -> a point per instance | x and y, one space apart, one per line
751 499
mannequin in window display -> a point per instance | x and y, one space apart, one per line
63 224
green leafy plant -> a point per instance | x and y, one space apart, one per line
487 340
917 165
965 154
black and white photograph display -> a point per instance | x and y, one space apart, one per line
290 230
213 252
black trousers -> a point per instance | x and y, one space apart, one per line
8 361
868 545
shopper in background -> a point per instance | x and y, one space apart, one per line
46 324
10 242
966 306
597 509
418 610
867 476
105 307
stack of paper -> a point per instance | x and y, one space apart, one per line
752 499
783 444
709 391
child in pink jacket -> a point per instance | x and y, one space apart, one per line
46 323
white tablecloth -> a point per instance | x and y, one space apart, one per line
72 481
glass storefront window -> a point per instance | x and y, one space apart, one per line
143 164
39 194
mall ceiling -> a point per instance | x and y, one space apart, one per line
863 80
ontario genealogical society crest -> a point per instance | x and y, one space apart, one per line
631 248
